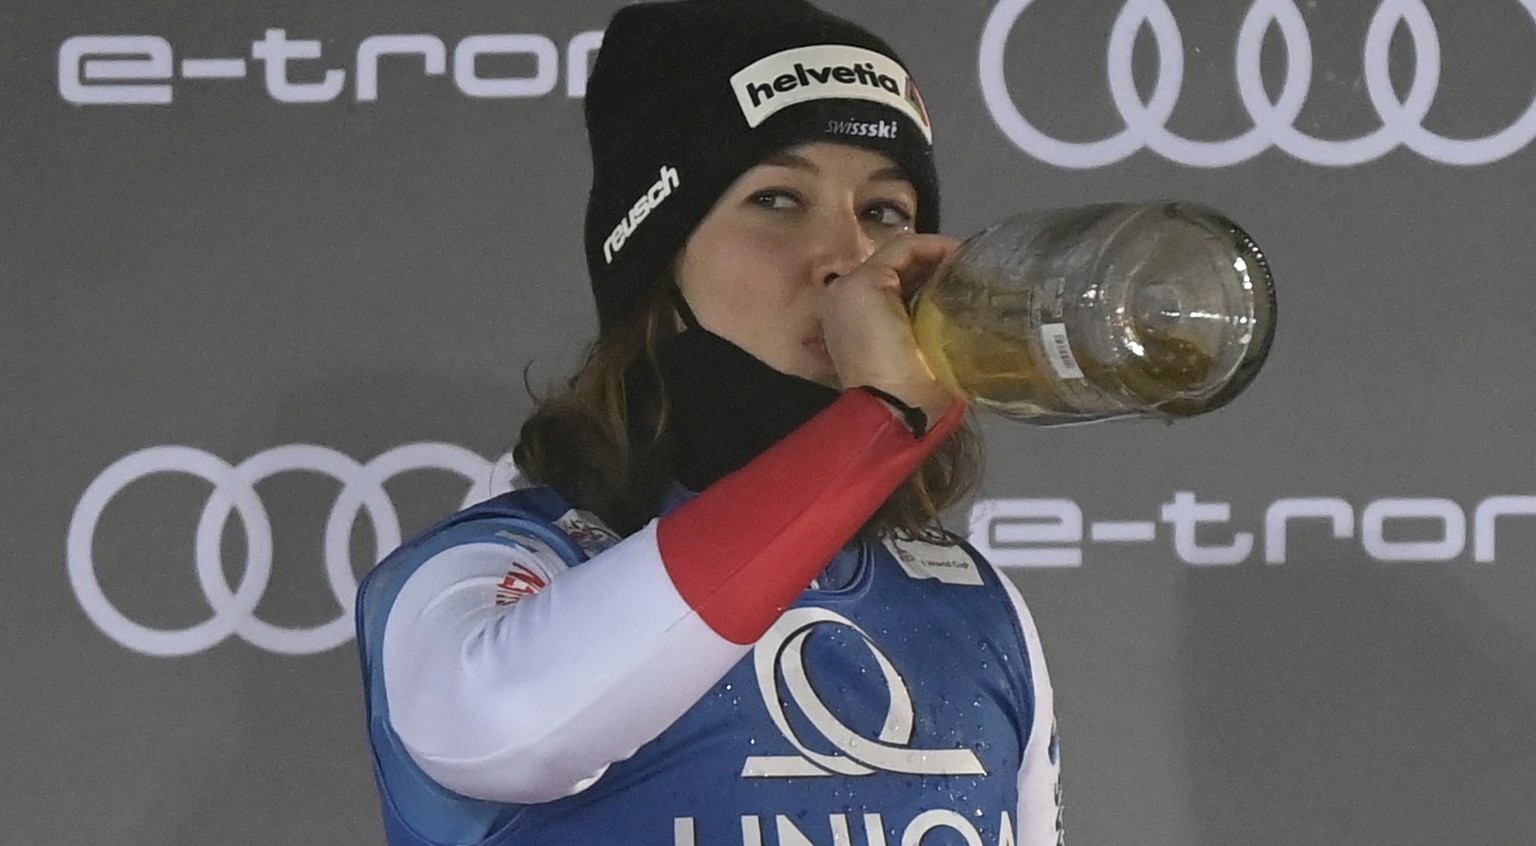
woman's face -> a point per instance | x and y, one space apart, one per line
755 268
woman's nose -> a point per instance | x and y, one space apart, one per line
842 245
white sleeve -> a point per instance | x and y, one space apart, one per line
531 700
1039 814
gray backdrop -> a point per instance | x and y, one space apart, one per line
246 340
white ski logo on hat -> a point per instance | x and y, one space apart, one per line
640 211
825 72
879 129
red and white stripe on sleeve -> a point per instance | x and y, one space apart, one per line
530 701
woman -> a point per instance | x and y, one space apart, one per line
727 610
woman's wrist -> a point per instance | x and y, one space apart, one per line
917 408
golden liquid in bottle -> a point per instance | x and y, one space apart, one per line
1170 374
1008 371
991 366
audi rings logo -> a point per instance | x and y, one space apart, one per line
1274 121
781 651
234 492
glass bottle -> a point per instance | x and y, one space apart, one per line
1077 315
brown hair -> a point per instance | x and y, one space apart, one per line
603 441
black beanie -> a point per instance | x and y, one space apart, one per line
686 96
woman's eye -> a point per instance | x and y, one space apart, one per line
776 199
889 215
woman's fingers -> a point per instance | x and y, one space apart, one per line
867 329
905 262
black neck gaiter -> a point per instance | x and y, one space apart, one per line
727 406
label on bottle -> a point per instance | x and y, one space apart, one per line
1059 351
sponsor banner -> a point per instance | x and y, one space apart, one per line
140 70
1010 532
1404 121
234 494
1054 532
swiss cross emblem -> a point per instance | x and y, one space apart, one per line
519 582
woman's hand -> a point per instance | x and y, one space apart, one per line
868 331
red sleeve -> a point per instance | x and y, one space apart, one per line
744 550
